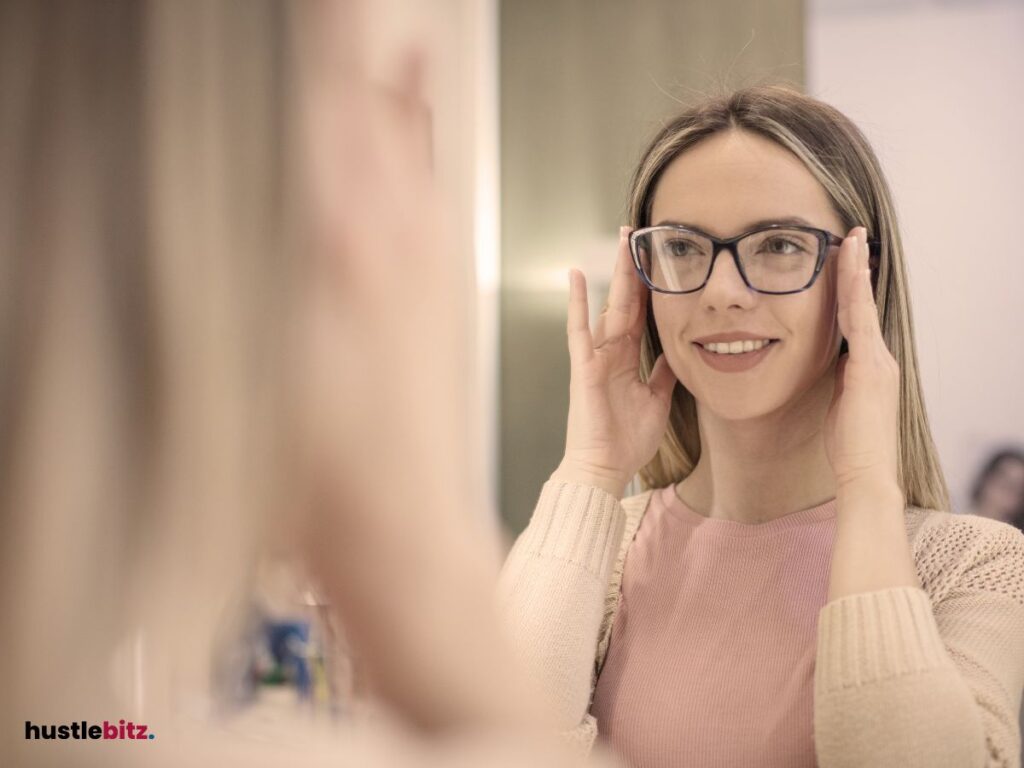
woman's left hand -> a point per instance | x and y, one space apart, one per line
862 426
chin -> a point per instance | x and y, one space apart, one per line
755 394
744 408
728 404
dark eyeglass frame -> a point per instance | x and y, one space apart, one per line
825 239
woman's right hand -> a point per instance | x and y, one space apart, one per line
616 420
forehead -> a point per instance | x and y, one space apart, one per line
729 180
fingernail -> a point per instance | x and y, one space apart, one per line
623 231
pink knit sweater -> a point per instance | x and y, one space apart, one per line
688 641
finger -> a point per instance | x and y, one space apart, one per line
581 345
599 334
624 293
333 86
412 118
662 380
639 326
413 65
858 314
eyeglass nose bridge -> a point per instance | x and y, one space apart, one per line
732 246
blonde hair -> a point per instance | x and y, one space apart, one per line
839 156
143 288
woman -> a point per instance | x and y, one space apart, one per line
998 491
201 366
788 588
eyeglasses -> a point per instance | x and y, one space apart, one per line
776 259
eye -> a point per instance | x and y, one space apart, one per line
678 247
782 246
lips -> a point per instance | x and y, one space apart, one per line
729 362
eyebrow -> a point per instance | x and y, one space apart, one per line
794 220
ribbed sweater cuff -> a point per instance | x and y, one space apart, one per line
873 636
578 523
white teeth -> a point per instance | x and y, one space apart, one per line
735 347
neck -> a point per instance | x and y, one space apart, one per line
755 470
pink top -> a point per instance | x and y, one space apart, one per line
711 656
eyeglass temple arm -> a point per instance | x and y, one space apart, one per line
874 251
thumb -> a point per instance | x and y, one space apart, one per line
662 379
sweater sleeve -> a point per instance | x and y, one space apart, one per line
552 589
903 681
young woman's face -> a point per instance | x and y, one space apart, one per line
722 186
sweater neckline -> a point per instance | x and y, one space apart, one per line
670 499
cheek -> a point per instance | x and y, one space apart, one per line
663 319
813 328
827 325
671 315
823 329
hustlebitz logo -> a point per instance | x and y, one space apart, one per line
120 731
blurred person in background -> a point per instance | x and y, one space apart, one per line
998 491
790 587
232 329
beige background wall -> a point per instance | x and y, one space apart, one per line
583 85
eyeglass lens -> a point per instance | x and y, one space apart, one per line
774 260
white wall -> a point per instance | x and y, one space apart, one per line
938 87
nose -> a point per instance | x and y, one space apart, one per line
725 287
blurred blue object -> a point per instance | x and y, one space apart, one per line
289 642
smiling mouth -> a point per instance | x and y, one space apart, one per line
736 347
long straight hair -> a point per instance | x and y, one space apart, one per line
142 286
839 156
